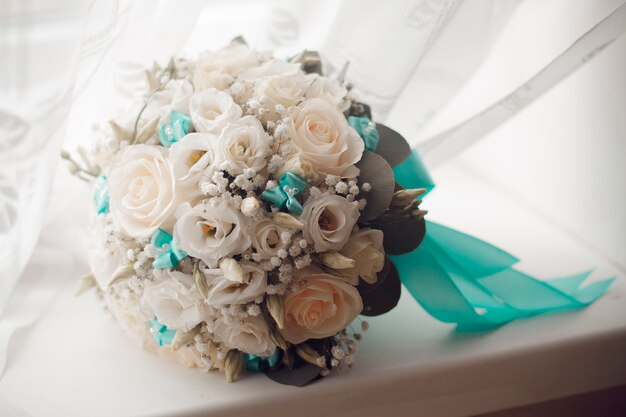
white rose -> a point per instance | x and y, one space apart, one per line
322 135
269 69
321 306
266 238
244 144
193 157
250 335
224 291
204 79
328 221
211 110
217 69
142 190
211 232
366 248
175 96
286 90
174 300
328 90
231 59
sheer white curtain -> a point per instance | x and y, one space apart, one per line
67 64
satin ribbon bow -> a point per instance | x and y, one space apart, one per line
367 130
255 363
166 257
460 279
161 334
101 194
284 195
175 130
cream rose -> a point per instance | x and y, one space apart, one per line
266 238
224 291
211 110
322 306
217 69
323 137
250 335
174 300
211 232
296 165
366 248
328 90
193 157
328 221
142 190
270 68
286 90
244 145
231 59
204 78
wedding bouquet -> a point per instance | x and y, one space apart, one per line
248 211
245 211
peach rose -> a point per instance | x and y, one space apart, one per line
323 138
322 306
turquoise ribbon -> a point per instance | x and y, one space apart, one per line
412 173
166 257
161 334
367 130
175 130
460 279
101 194
255 363
284 194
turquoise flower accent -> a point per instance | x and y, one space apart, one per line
174 131
255 363
168 252
284 195
161 334
367 130
101 194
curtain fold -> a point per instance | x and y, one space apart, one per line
40 43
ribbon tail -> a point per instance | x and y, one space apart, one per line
461 279
433 288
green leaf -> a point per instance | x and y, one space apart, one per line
377 172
